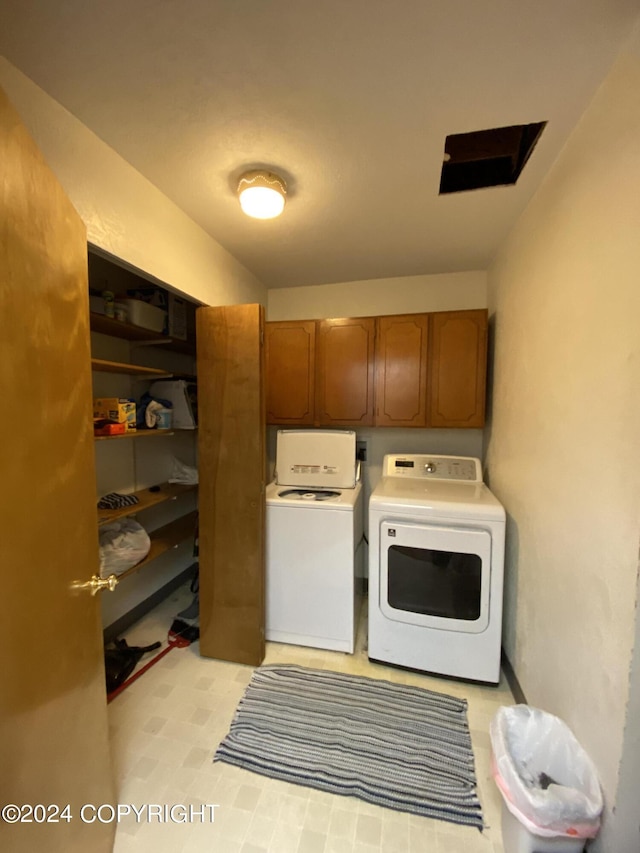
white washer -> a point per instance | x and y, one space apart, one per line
436 567
315 533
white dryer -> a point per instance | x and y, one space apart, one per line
436 567
314 539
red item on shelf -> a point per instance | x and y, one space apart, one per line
102 428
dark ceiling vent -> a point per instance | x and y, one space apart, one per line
487 158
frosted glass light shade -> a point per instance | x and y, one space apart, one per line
262 194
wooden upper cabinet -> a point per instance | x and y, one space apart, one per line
401 370
344 373
405 370
290 371
457 369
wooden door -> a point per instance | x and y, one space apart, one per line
231 450
401 370
53 719
290 371
458 368
344 372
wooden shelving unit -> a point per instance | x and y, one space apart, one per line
131 369
139 433
146 499
165 538
170 535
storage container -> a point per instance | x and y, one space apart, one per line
516 838
142 314
120 312
164 419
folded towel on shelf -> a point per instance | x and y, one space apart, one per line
114 500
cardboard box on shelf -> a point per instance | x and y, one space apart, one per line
117 409
102 427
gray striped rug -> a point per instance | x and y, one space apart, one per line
396 746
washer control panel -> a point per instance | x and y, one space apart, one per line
423 466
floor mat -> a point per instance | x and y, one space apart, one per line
397 746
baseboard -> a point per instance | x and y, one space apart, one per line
131 616
512 680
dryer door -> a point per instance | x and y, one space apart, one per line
436 577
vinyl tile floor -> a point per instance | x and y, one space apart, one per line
165 729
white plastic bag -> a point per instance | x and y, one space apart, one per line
123 543
182 473
546 778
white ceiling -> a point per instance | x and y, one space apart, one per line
350 100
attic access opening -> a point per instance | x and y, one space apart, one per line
487 158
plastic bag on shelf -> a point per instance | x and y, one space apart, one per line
123 544
182 473
546 778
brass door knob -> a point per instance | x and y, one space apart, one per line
96 584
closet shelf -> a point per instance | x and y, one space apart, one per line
165 538
139 433
146 499
128 332
188 377
132 369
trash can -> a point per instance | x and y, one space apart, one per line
551 797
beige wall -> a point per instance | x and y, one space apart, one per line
124 213
563 443
406 295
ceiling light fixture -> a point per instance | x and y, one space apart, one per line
262 194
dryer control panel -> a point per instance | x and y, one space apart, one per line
431 467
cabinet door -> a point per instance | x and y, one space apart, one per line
344 372
290 371
458 368
231 451
401 370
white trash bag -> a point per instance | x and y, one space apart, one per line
547 780
123 544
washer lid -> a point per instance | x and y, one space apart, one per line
285 496
317 458
436 498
